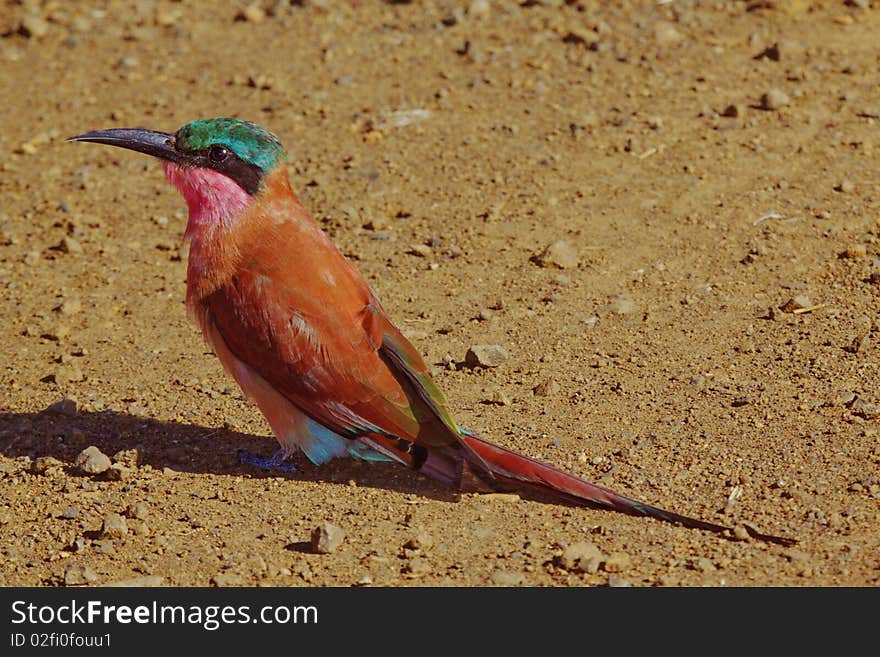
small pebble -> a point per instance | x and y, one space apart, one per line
139 528
137 582
71 306
421 541
733 111
327 538
46 465
704 565
500 497
114 526
796 303
364 580
771 52
254 13
167 17
127 457
845 186
77 575
479 8
92 461
617 562
507 578
795 556
138 510
70 513
562 280
8 467
66 407
226 579
665 33
866 409
118 472
500 398
421 250
740 533
58 332
486 355
417 567
774 99
70 245
617 582
561 254
67 373
855 251
546 388
621 305
584 557
34 26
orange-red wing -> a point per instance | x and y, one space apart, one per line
313 354
298 313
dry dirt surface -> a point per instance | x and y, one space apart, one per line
666 213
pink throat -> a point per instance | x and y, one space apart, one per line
214 200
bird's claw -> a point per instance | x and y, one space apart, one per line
275 462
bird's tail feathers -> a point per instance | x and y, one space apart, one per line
521 472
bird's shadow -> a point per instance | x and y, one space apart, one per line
62 432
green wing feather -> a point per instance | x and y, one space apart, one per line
427 401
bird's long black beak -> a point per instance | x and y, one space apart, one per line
151 142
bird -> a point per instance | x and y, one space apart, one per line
307 339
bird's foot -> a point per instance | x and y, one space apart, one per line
275 462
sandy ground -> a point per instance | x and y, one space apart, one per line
705 338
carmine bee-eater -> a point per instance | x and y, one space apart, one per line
307 339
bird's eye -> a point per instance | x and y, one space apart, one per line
218 153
